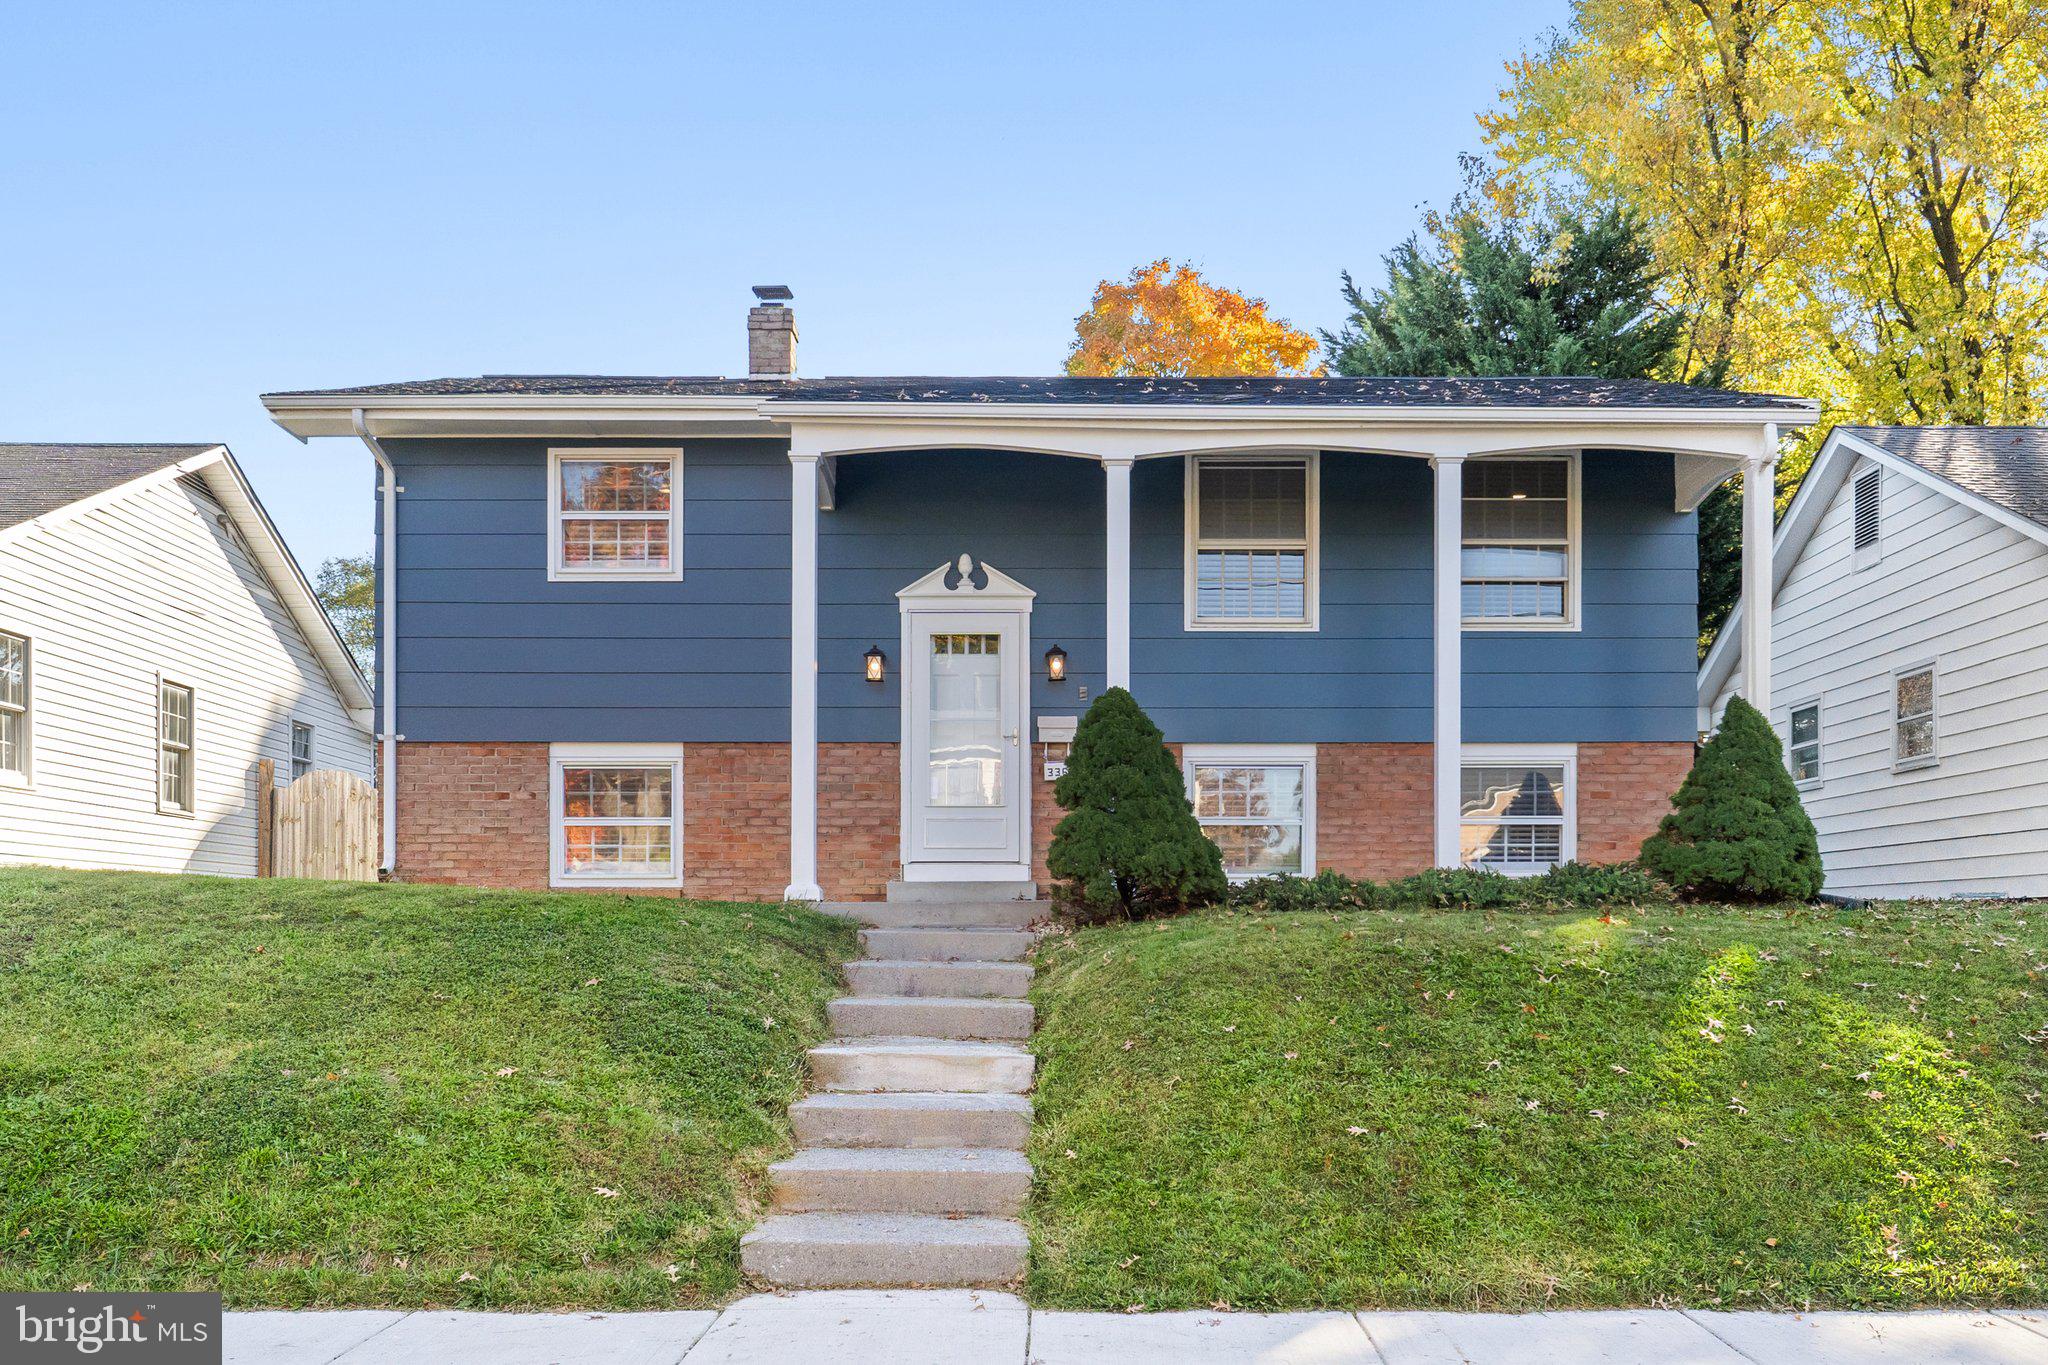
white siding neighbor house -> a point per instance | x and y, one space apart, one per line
156 641
1909 665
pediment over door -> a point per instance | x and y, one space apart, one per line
962 583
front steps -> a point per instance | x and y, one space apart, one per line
911 1147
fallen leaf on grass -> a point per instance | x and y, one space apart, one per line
603 1192
1687 1142
465 1277
506 1071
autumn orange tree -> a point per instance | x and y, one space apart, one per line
1166 320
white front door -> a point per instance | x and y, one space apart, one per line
966 800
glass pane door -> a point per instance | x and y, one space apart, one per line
965 764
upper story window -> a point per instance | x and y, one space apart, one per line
1251 531
1913 717
302 749
176 754
1518 809
14 709
1521 542
1869 517
1802 746
1256 805
612 514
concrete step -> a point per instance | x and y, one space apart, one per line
962 891
928 1016
976 1180
919 1064
846 1250
947 945
962 914
912 1119
883 976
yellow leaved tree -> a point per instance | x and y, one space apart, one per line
1166 320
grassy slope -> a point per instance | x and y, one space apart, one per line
1309 1109
290 1090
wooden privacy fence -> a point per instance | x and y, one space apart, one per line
323 825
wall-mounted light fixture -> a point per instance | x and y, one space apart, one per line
876 658
1056 664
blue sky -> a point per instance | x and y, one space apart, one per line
208 201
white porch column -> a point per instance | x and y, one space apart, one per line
1759 488
803 679
1449 524
1117 602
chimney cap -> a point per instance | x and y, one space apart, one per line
774 293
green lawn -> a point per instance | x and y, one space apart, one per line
310 1093
1704 1106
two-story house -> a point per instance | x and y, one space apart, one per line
766 636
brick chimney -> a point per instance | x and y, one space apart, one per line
771 334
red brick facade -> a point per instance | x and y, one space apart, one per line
477 814
1375 814
1624 790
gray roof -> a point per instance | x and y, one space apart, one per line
1537 391
2004 465
35 479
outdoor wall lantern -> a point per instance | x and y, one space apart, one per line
876 658
1056 664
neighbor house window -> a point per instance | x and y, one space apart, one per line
14 709
614 513
1520 560
302 749
1518 809
1913 717
617 815
1802 746
1257 805
1251 560
1868 517
175 752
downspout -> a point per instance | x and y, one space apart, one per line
387 648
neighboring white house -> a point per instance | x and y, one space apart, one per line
156 641
1910 662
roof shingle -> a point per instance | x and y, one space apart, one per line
2004 465
36 479
1492 391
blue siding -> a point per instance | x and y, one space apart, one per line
490 650
493 651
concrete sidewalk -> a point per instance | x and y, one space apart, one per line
937 1327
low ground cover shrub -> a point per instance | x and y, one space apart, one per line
1572 886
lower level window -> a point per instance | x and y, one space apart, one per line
1517 810
1802 748
1256 805
616 815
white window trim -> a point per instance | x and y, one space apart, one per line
1892 717
24 777
674 572
1862 557
1575 575
562 756
1534 755
291 734
1820 741
191 811
1311 563
1301 756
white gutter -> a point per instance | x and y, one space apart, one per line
387 648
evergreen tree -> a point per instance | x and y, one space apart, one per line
1576 294
1129 843
1737 830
